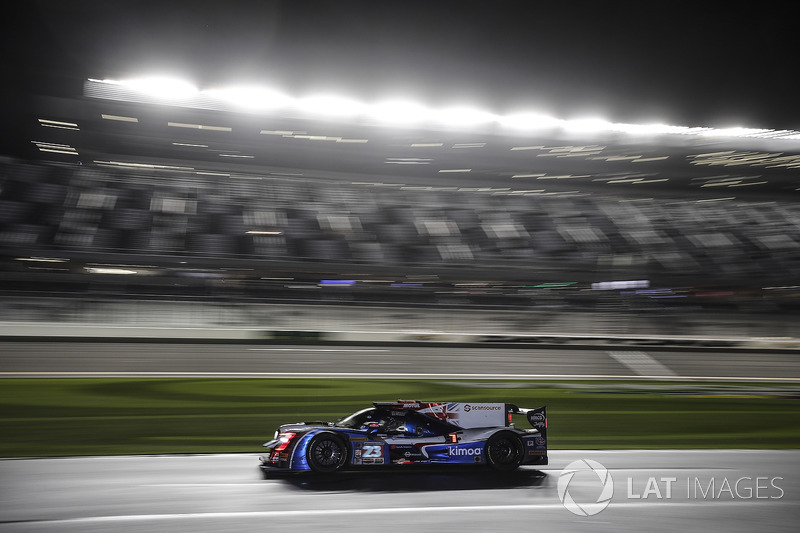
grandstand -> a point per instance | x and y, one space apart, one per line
184 199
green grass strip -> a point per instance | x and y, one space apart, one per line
56 417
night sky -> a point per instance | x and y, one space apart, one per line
625 61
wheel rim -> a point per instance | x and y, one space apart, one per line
504 452
328 453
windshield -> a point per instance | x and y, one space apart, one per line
355 420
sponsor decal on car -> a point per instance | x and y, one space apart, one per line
456 450
469 407
372 454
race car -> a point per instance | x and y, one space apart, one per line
411 432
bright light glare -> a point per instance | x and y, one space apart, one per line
103 270
735 132
330 105
399 112
253 98
402 112
588 125
530 121
162 87
649 129
464 116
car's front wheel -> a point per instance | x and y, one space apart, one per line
326 453
504 451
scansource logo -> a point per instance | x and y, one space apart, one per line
468 408
600 480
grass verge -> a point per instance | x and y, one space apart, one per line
53 417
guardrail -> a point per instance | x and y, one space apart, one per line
49 331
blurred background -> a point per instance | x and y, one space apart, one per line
297 208
129 210
201 166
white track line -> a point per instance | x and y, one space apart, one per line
641 363
386 510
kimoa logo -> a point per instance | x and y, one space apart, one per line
604 479
452 450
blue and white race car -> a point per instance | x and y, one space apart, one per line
410 432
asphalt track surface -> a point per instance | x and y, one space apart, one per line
728 491
665 490
60 359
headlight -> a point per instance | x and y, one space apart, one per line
285 439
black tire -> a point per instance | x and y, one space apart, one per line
326 453
504 451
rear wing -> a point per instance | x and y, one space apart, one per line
536 416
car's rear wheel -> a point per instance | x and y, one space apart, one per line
504 451
326 453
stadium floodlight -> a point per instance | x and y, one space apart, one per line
392 112
330 106
169 88
529 121
252 98
399 112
